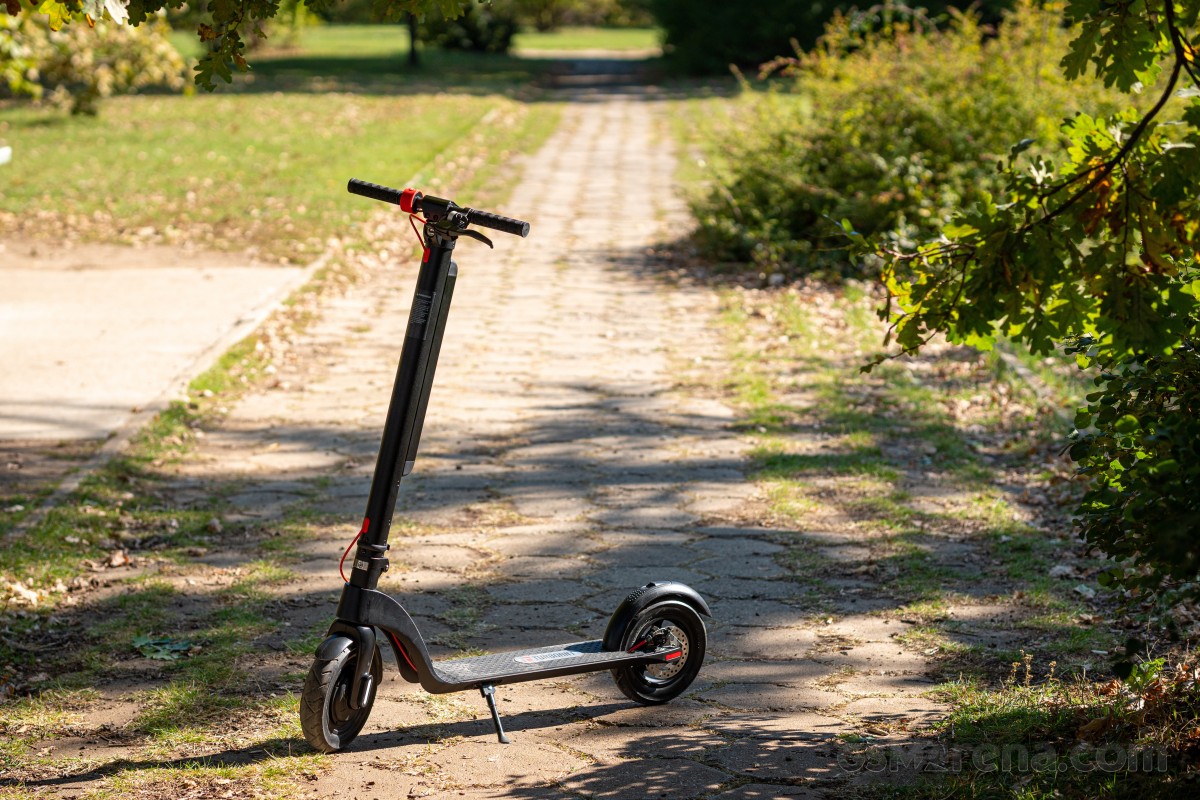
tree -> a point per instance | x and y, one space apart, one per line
224 27
706 36
1099 252
414 35
546 15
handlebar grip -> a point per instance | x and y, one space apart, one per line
374 191
486 219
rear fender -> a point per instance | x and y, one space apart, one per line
645 597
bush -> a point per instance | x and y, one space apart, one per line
482 28
892 128
705 36
1143 458
548 15
77 66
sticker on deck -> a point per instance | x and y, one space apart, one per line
537 658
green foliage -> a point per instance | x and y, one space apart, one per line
226 23
706 36
1099 241
483 27
546 15
76 66
550 15
1140 443
163 648
18 58
893 129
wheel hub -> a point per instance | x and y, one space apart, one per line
672 636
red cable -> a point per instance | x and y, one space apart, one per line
412 220
342 572
342 563
403 652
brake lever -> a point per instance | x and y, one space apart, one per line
477 236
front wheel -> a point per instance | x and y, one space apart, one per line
675 622
326 716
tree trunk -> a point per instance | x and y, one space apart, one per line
414 59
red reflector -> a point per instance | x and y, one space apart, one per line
672 656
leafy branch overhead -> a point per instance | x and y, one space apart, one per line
1103 243
224 31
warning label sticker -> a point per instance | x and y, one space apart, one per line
554 655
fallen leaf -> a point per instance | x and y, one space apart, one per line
1095 729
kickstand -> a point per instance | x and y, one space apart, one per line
489 693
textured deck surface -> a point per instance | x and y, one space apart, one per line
530 660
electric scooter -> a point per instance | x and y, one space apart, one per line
655 641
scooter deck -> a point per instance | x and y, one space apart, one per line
537 662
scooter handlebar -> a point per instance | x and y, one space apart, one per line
496 222
374 191
413 202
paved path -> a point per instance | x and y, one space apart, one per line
87 334
572 452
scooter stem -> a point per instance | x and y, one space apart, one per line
410 399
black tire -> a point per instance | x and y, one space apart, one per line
654 684
328 721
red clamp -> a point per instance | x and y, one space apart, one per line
408 198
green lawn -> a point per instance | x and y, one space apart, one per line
589 39
262 164
317 40
232 170
391 41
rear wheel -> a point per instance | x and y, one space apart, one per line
675 623
328 720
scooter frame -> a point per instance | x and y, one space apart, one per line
363 609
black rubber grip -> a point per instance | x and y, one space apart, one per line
486 219
374 191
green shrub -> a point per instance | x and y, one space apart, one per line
1141 450
892 128
706 36
76 66
482 28
545 15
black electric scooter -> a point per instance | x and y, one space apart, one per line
655 640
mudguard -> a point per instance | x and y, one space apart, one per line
644 597
333 645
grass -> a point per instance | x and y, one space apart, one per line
468 604
947 421
264 173
1039 736
692 123
390 42
588 38
260 166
